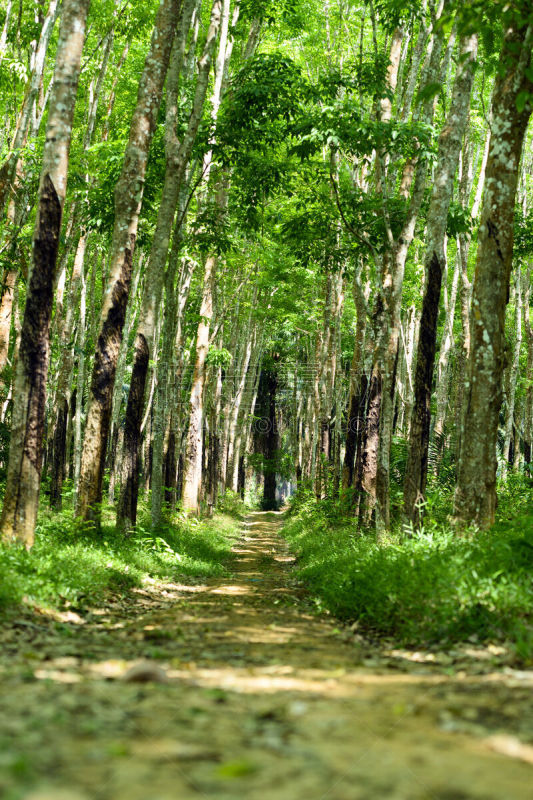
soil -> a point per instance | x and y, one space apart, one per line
239 688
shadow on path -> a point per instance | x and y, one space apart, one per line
250 694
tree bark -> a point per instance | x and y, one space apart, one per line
64 376
193 456
354 422
450 142
512 379
21 500
476 495
177 158
128 199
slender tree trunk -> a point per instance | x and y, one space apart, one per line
512 377
177 157
269 502
354 422
117 431
450 142
476 496
193 454
128 199
392 273
9 168
443 379
528 404
64 376
21 500
6 309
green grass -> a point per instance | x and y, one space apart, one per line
434 587
70 563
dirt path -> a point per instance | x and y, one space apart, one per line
249 694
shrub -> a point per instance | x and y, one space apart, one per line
431 586
70 562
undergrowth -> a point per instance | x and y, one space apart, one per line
72 564
426 586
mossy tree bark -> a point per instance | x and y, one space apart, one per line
450 142
476 494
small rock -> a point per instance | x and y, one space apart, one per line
512 747
172 750
145 672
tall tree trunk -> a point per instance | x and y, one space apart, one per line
354 422
269 502
528 404
512 377
128 199
21 500
117 431
80 379
193 455
64 376
476 496
6 309
9 168
450 142
177 158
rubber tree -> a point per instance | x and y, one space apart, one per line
21 500
449 150
128 199
476 492
177 158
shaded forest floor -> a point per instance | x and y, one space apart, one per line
235 687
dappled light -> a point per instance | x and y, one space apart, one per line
234 687
266 400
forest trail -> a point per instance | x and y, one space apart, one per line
254 695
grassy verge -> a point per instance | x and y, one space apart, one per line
433 587
71 564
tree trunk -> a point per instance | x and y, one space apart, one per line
9 168
64 376
128 199
476 496
528 404
450 142
21 500
177 158
193 456
269 502
354 421
512 379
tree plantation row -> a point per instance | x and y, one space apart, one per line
254 245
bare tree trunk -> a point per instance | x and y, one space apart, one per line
443 372
354 421
62 392
6 309
450 142
528 404
177 157
8 169
80 379
128 199
117 432
512 377
476 496
193 454
269 502
21 500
